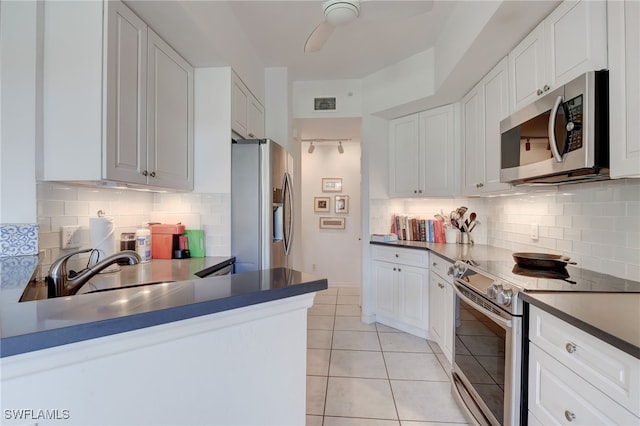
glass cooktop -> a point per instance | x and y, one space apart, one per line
566 279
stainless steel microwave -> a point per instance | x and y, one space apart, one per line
560 138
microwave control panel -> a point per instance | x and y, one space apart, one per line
573 109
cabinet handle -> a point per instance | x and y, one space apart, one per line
546 88
399 270
152 174
251 135
415 191
394 269
571 347
397 255
434 264
569 415
145 173
440 285
539 92
419 191
479 185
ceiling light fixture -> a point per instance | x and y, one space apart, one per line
340 148
311 148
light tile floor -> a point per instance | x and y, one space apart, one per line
369 374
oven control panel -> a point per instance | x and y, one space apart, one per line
501 292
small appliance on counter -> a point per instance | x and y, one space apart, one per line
169 242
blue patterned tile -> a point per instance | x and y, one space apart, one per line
18 239
15 272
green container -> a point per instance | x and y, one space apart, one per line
196 242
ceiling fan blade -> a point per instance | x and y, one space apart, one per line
318 37
400 9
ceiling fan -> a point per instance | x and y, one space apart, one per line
343 12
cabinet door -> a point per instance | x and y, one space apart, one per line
559 396
385 282
255 119
413 285
239 101
126 95
170 118
405 171
436 308
495 87
472 131
624 87
437 136
576 40
448 321
527 69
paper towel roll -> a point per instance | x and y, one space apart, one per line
103 239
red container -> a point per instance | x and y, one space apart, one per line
162 240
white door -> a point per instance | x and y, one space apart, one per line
527 69
472 122
414 296
406 173
437 136
384 277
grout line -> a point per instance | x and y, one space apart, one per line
384 359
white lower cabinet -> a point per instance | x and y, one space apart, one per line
441 301
576 378
400 279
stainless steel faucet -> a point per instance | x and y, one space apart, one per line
61 285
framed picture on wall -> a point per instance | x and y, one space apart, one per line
332 223
321 204
331 184
341 205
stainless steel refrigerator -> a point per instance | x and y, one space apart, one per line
261 204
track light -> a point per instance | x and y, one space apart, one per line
340 148
311 148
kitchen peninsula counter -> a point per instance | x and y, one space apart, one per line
40 324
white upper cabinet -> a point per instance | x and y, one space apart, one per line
482 110
247 113
422 153
170 117
624 87
128 114
570 41
405 169
126 82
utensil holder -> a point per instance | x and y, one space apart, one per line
464 238
451 235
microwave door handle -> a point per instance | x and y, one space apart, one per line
552 130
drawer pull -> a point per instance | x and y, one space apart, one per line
434 264
397 255
569 415
571 347
394 269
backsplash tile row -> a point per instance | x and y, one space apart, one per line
60 204
597 224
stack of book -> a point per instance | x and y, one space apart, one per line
417 229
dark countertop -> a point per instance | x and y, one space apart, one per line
611 317
41 324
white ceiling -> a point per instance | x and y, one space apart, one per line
273 33
207 32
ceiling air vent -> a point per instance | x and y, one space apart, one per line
324 104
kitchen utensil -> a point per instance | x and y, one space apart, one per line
472 218
542 260
461 211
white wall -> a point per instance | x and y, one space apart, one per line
386 92
335 253
19 124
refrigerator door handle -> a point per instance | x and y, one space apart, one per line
287 189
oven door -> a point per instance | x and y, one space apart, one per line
487 361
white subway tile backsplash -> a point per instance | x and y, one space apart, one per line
59 205
597 224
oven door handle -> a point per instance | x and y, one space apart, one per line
497 318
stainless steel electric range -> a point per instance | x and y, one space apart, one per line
488 346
